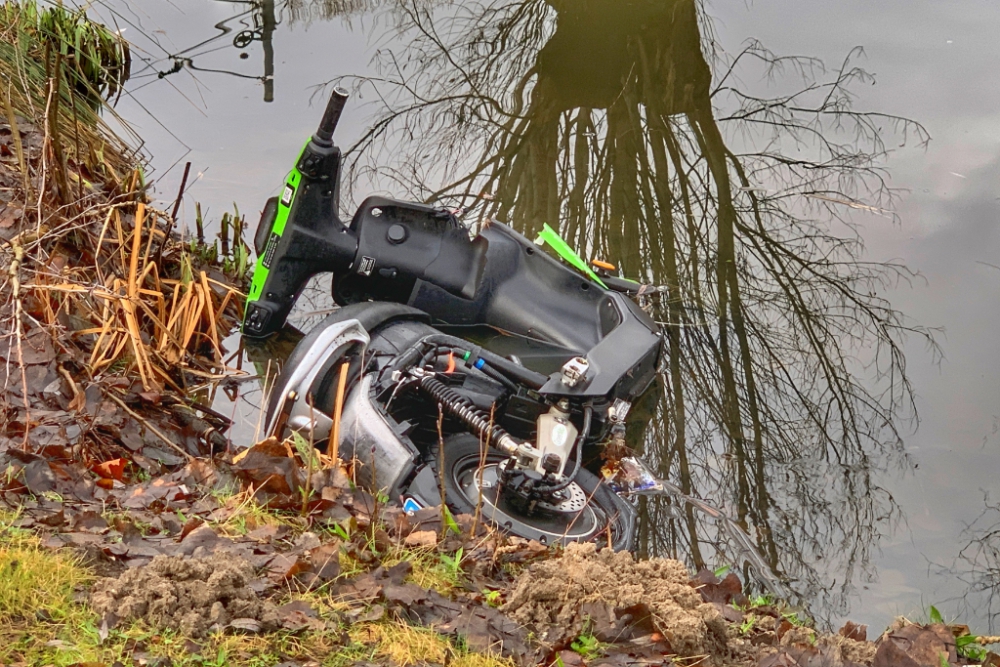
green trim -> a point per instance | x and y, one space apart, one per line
260 272
551 236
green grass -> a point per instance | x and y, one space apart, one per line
406 645
431 570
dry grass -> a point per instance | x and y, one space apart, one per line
130 313
406 645
247 514
86 259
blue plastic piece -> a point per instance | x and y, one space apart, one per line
410 506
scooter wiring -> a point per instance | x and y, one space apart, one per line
515 372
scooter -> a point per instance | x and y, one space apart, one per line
480 370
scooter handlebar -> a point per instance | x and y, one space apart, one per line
338 98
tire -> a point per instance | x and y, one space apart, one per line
602 511
372 316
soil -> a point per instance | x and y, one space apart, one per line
190 595
562 597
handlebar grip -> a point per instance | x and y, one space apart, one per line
332 114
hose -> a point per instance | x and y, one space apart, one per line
513 371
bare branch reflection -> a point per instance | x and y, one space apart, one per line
785 388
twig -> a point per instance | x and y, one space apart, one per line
15 134
173 214
444 495
333 450
152 429
15 280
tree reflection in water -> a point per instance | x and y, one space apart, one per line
784 388
978 564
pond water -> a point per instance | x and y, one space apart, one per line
869 512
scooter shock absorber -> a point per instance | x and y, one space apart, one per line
460 407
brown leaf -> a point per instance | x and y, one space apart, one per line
90 522
779 659
371 614
267 467
858 633
571 658
190 526
713 589
404 595
284 566
113 469
150 397
296 621
78 402
959 630
159 491
325 561
421 538
10 215
266 533
920 645
889 654
39 478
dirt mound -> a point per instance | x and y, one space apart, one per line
585 589
192 595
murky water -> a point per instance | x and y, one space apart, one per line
784 399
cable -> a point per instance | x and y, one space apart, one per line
513 371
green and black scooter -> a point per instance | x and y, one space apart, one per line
533 356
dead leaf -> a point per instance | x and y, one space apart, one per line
854 631
190 526
779 659
248 625
326 561
421 538
713 589
284 566
10 215
926 646
39 478
371 614
113 469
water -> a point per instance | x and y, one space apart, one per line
867 525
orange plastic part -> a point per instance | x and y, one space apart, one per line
607 266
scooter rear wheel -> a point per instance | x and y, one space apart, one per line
592 512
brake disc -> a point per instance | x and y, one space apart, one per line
570 520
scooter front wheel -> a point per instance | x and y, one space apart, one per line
592 513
